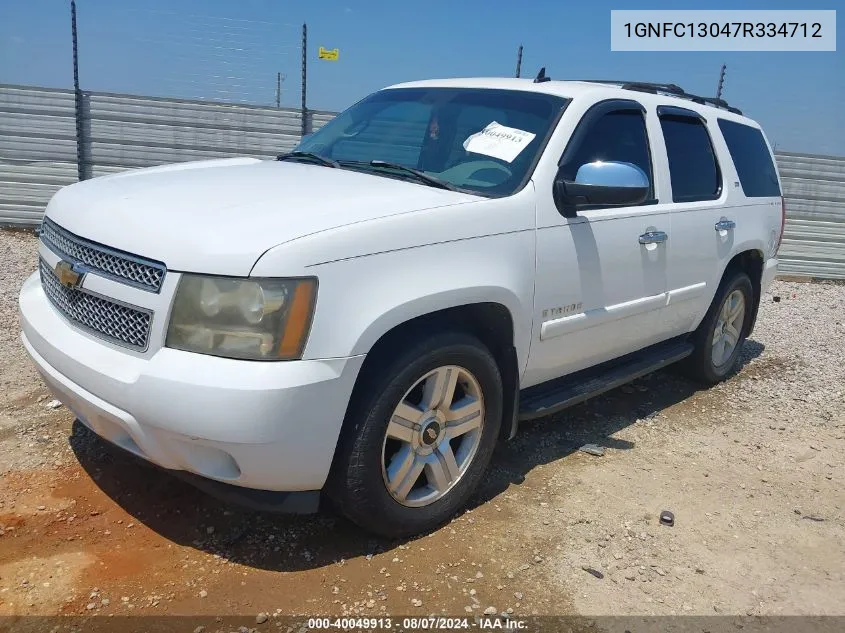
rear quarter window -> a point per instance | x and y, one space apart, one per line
752 159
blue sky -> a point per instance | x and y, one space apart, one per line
232 50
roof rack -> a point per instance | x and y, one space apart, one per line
669 89
641 86
719 103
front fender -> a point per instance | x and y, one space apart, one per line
360 300
378 274
453 298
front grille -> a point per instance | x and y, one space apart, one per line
115 322
123 267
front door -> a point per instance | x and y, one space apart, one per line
601 275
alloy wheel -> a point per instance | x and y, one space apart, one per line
433 436
728 329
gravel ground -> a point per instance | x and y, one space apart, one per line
752 469
17 375
18 257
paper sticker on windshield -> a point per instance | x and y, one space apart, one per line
499 141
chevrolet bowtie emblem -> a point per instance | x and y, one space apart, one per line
69 275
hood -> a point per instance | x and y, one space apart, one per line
219 216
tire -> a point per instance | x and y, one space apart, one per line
377 447
706 364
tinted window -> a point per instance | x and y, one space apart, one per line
430 128
619 136
692 163
393 133
751 158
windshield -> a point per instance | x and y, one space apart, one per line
477 140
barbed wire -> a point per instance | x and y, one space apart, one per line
213 57
218 18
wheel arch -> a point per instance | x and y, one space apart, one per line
492 322
751 262
450 304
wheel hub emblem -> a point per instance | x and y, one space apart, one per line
431 433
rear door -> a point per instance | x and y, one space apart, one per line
698 251
714 217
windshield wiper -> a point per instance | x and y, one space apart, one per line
328 162
421 176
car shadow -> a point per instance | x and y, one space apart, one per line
182 514
595 422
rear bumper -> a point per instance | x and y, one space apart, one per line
770 270
263 425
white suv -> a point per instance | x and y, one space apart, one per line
369 314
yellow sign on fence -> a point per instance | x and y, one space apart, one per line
329 55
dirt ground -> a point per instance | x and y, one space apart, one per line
752 470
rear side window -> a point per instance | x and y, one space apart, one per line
752 159
692 163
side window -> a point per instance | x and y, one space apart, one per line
619 136
752 159
693 169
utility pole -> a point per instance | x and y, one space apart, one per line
721 81
77 96
519 61
304 79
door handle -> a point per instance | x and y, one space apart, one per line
725 225
653 237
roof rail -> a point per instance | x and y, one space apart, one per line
670 89
642 86
719 103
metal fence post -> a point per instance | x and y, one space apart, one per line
305 126
79 106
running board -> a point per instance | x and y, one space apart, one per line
555 395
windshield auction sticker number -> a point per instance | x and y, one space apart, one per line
499 141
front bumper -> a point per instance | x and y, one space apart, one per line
262 425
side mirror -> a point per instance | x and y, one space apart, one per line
610 183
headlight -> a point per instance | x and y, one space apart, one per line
255 319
